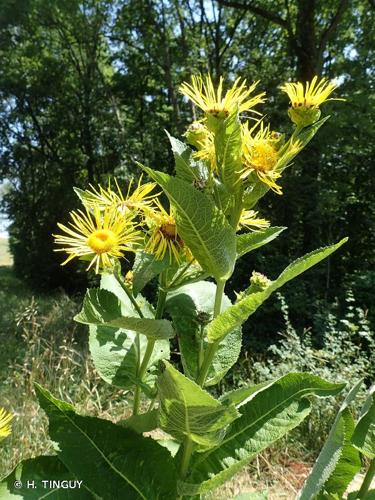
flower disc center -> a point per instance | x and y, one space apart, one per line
264 157
102 241
169 230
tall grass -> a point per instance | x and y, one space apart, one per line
41 343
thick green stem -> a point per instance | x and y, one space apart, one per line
146 358
136 399
185 460
367 480
149 349
137 389
211 350
237 210
201 347
207 361
130 295
161 303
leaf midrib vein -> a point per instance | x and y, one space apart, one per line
193 227
101 453
285 402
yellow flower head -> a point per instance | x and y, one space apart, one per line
250 220
213 101
163 237
137 199
98 237
260 155
5 423
305 100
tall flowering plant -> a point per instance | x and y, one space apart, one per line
230 160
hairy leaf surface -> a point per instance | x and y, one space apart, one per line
187 410
201 225
238 313
115 351
251 241
36 470
338 462
187 168
103 308
265 418
228 146
145 422
190 306
112 461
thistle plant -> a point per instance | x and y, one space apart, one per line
187 231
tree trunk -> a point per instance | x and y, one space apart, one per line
305 42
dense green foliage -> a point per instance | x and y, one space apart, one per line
86 88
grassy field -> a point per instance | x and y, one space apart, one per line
5 257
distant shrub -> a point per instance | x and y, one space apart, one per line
343 351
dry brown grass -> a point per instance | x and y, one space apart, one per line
5 257
273 472
61 364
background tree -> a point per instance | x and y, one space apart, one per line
87 87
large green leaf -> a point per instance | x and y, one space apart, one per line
103 308
338 462
228 146
145 422
186 167
190 307
240 396
254 193
364 435
265 418
187 410
112 461
201 225
237 314
145 268
308 133
116 351
251 241
43 477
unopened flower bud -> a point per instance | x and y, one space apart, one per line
203 318
196 134
129 276
304 116
259 282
